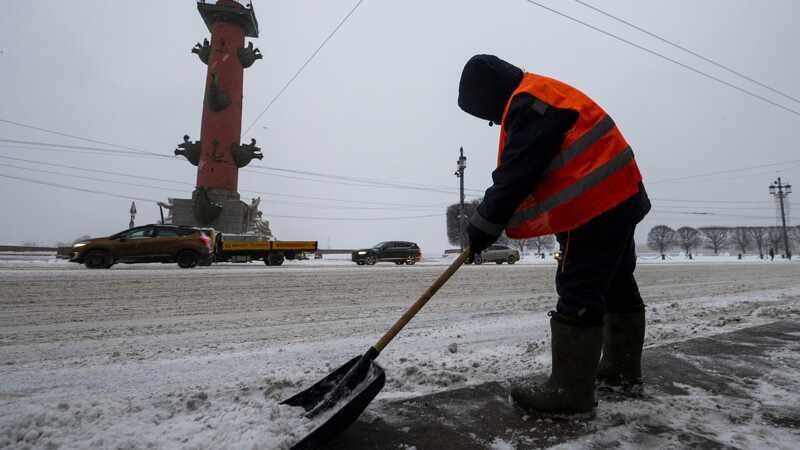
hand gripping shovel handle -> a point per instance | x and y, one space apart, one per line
360 369
423 299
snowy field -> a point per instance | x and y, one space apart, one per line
151 356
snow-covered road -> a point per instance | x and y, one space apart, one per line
153 356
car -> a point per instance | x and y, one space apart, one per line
186 246
499 254
399 252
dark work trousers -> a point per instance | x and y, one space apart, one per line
595 274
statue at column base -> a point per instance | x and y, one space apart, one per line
205 210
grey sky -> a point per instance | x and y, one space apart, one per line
379 101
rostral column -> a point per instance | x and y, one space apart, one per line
219 154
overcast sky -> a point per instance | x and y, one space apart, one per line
379 102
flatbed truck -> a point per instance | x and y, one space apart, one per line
246 248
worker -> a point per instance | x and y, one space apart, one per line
564 168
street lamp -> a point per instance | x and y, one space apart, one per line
461 165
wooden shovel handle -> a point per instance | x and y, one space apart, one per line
423 299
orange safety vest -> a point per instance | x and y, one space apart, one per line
592 172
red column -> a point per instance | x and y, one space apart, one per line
221 129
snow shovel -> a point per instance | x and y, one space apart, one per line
338 399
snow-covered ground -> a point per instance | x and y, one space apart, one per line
151 356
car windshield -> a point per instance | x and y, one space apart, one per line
379 245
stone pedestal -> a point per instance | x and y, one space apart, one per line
237 216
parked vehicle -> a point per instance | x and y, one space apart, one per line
186 246
499 254
246 248
399 252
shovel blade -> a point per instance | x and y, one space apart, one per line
346 412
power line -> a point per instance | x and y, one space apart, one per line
329 181
73 188
707 213
366 181
74 151
107 172
127 197
81 147
340 179
674 61
400 205
302 67
680 47
358 219
383 205
726 171
272 202
729 208
704 213
80 138
82 177
706 201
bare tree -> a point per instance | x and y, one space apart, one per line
453 232
688 238
759 236
716 237
741 239
661 238
542 244
521 244
794 237
774 239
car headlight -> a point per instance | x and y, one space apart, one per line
79 244
362 253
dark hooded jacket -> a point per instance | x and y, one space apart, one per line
533 137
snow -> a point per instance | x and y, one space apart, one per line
182 419
499 444
152 356
739 423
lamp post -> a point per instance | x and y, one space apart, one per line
133 214
780 191
461 165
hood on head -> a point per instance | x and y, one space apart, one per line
486 84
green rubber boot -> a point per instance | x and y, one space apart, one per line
570 388
621 365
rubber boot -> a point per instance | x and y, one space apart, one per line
570 388
621 364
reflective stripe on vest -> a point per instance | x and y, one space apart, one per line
574 190
579 146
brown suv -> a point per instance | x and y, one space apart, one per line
149 243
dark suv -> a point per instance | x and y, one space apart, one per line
399 252
149 243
